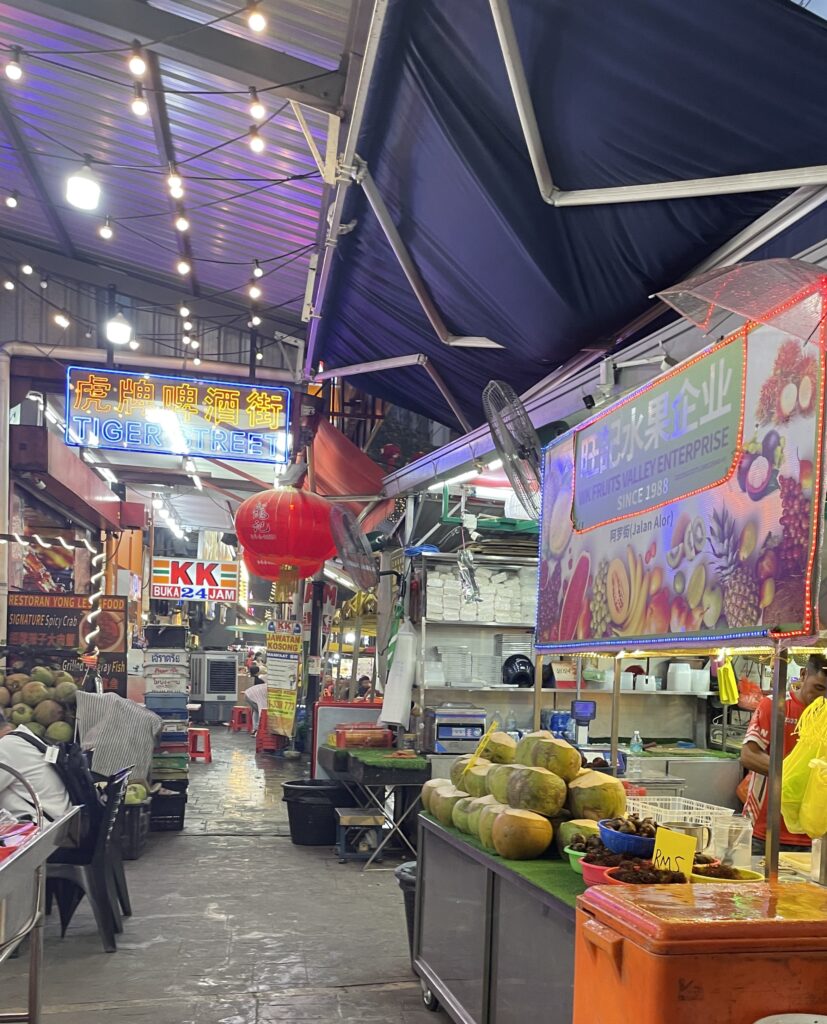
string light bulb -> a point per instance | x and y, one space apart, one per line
177 192
12 200
61 318
257 271
105 230
181 223
27 269
83 189
183 267
118 330
8 284
254 291
195 343
255 16
185 340
188 325
174 179
14 69
256 141
140 107
259 355
134 345
137 64
196 361
183 311
255 320
257 109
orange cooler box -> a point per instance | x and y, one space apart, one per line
699 954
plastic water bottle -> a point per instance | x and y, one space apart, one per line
636 746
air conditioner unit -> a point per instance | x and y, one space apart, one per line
214 684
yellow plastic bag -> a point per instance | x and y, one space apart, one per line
812 743
727 685
813 817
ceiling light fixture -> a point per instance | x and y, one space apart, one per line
137 64
134 345
183 267
14 69
255 16
257 271
27 269
183 311
254 291
156 502
105 230
181 223
140 107
83 189
118 330
12 200
61 319
255 140
257 109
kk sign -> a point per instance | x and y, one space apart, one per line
182 579
143 412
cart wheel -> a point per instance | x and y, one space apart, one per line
429 1000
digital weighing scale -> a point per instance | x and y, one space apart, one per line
583 712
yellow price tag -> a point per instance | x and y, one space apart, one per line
674 851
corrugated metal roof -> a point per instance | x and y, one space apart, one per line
72 104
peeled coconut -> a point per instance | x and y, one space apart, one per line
488 815
48 711
135 793
442 804
33 693
557 756
596 796
21 714
536 789
66 690
459 814
475 780
461 763
524 752
60 732
500 748
5 697
475 812
428 789
498 778
521 835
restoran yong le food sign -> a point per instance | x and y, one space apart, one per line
688 508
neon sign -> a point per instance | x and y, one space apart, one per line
163 415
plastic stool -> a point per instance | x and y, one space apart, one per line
242 718
265 740
197 752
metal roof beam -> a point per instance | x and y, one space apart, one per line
208 49
166 151
33 173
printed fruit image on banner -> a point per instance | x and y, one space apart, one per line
690 506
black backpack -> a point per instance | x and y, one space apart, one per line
73 769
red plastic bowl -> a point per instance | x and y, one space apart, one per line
594 874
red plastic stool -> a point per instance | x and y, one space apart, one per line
242 718
266 741
197 752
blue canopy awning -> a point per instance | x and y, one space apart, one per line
624 94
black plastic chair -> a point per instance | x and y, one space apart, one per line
71 874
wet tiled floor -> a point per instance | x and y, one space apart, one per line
233 924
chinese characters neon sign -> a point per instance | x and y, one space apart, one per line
176 415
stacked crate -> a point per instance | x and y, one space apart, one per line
167 674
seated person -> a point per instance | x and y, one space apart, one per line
42 776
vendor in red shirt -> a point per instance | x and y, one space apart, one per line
755 753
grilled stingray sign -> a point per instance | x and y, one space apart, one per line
184 579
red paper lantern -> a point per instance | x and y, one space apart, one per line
263 567
286 527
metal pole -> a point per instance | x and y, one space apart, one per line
538 689
5 385
314 661
615 714
354 664
779 709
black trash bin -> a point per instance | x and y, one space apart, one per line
406 876
311 805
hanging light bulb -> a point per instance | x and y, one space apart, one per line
183 311
105 230
255 320
183 267
118 330
27 269
254 291
134 345
174 179
257 271
12 201
83 189
187 325
61 319
137 64
186 340
44 282
140 107
14 69
256 141
181 223
255 16
8 285
196 361
259 355
195 343
176 192
257 109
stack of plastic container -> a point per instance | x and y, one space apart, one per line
167 675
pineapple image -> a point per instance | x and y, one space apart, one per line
740 588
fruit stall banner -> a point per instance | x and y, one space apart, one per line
185 579
690 507
284 653
47 628
163 415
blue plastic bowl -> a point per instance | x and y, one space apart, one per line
620 842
